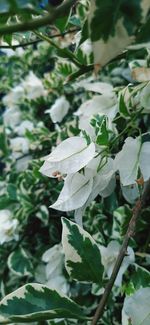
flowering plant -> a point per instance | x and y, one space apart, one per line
75 157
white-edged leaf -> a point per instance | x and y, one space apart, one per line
36 302
68 157
76 190
137 307
82 255
112 29
104 51
19 262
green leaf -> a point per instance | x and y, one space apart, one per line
36 302
8 39
140 277
101 27
5 201
100 124
82 255
61 23
3 141
12 191
19 263
122 107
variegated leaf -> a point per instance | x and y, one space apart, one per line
19 262
36 302
111 35
82 255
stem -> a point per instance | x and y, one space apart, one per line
38 22
65 52
38 40
141 203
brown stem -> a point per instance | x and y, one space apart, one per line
145 198
13 47
38 22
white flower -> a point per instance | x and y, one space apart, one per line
11 117
54 259
100 104
8 226
68 157
33 86
59 109
12 99
109 255
134 155
19 146
23 127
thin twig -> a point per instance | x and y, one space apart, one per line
141 203
13 47
38 22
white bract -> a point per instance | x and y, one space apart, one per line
102 105
19 146
54 259
68 157
33 87
23 127
137 308
22 163
109 255
86 47
76 190
59 109
8 226
134 155
11 117
96 87
145 98
103 183
130 192
12 99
